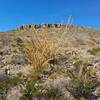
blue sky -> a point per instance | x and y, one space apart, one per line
17 12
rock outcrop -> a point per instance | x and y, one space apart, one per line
39 26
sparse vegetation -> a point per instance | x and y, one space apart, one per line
82 83
94 50
5 85
61 64
39 49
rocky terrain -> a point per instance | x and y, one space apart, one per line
50 62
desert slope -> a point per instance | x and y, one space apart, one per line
76 43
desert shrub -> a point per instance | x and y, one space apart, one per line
7 84
33 85
82 83
38 50
18 40
94 50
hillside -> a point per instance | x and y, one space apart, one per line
60 62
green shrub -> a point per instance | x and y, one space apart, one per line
32 86
94 50
6 84
82 83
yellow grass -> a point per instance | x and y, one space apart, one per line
39 49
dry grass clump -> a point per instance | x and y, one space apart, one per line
39 49
42 47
